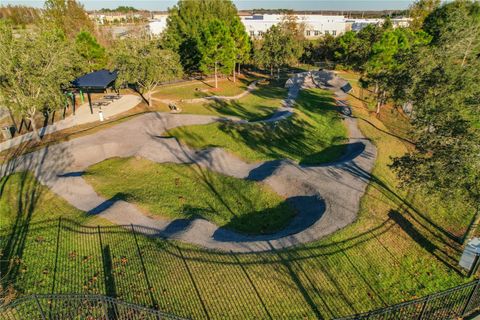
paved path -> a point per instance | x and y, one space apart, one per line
326 197
82 116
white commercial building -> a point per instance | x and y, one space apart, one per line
315 25
359 24
157 24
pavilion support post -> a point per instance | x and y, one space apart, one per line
73 103
90 102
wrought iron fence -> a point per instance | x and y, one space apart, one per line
78 306
457 302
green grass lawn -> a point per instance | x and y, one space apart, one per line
188 191
399 248
257 105
314 134
198 89
368 265
20 196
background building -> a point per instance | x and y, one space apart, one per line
315 25
359 24
157 24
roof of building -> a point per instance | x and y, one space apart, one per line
100 79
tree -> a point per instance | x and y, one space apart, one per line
20 15
383 65
69 16
295 30
217 49
456 27
187 21
354 50
419 10
279 47
34 69
322 49
270 52
444 90
90 51
141 63
243 45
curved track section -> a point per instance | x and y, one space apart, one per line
327 197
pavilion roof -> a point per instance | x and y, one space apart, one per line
97 80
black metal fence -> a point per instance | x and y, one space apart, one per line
77 306
457 302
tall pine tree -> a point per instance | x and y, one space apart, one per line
188 20
217 49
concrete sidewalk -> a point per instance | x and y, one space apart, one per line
82 116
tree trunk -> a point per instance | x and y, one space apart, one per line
36 134
271 71
380 102
234 74
216 81
466 52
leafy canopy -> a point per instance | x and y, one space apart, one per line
217 48
190 18
143 64
34 69
444 90
91 52
68 16
419 10
279 46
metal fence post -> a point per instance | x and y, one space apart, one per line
470 297
424 307
39 307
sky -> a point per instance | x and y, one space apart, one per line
241 4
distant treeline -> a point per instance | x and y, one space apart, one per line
122 9
350 14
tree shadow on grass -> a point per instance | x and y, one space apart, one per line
234 203
318 286
30 171
236 108
442 255
294 137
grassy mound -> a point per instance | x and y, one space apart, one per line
314 134
186 191
200 89
256 105
24 200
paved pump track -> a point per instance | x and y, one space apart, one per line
326 197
